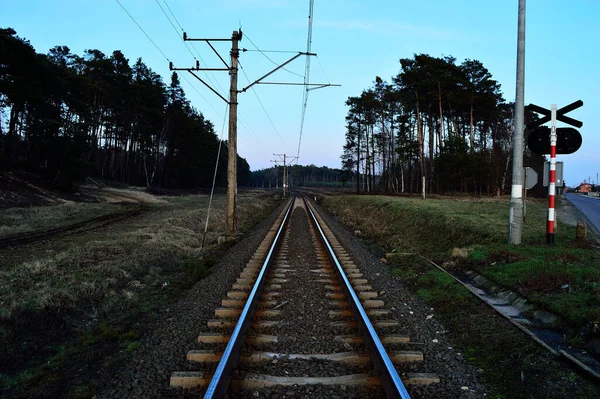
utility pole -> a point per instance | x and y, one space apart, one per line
232 102
236 37
516 201
283 158
232 143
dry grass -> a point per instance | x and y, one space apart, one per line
96 274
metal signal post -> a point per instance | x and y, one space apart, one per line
558 145
552 185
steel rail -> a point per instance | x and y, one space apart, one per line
220 380
79 227
391 382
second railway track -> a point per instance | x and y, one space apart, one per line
75 228
303 321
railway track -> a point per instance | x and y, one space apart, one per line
87 225
302 320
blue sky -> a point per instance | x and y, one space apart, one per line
355 41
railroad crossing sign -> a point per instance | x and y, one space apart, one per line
559 141
568 140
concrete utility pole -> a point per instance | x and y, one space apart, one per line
515 232
232 143
236 37
232 137
283 158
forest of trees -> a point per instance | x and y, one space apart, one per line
301 176
67 116
446 122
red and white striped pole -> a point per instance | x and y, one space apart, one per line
552 182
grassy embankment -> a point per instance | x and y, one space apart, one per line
435 227
83 309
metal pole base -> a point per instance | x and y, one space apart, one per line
550 239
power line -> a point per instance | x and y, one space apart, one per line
175 29
306 73
174 17
248 129
185 78
263 107
267 57
213 80
138 25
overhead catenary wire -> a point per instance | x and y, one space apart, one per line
263 107
306 74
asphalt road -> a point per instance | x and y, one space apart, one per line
589 206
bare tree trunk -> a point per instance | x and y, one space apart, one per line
367 160
384 168
420 137
358 160
472 131
431 140
441 132
373 157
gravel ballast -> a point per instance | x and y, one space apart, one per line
166 344
458 379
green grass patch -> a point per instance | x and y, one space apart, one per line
501 353
560 279
433 225
563 279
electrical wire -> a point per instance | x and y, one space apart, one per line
175 29
323 69
260 145
212 190
212 80
242 120
306 73
267 57
172 14
138 25
263 107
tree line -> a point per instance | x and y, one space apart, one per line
438 122
300 176
68 116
